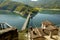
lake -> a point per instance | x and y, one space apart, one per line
11 18
17 21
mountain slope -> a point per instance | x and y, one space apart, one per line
42 3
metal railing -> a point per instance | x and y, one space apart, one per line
4 25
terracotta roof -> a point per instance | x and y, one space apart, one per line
39 38
47 23
51 27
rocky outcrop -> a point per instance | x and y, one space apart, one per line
9 34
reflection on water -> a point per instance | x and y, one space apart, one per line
18 21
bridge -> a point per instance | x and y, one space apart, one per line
26 22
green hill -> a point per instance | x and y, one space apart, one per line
18 7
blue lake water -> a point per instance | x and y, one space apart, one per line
17 21
39 18
12 19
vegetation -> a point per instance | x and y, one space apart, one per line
22 36
50 11
21 8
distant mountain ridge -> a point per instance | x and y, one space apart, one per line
42 3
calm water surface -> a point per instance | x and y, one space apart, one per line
17 21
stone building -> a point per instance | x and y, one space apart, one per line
46 24
47 29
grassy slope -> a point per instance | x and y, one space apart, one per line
20 7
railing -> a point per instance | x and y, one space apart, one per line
4 25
